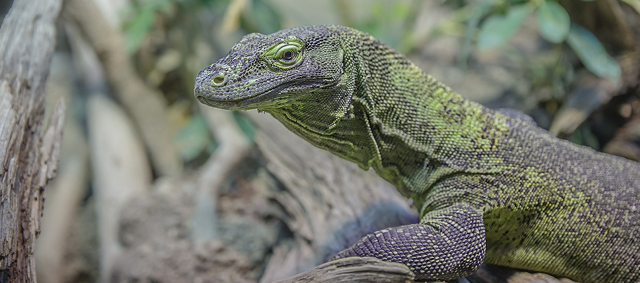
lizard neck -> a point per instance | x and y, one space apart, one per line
423 131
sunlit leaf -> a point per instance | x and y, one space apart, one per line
497 29
592 53
553 21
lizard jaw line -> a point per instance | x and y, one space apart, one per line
251 101
241 102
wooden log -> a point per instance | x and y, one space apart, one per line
355 270
28 153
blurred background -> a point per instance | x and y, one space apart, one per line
153 187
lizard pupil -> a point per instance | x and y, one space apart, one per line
288 55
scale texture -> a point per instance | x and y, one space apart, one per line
489 185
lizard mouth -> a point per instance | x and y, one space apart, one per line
270 98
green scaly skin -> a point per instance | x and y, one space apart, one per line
489 185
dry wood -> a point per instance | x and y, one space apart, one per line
500 274
146 105
355 270
28 154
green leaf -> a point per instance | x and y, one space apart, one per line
497 29
137 30
553 21
139 27
592 53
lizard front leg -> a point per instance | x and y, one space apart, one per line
448 243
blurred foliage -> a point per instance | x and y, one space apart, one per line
141 23
193 138
141 15
390 21
497 29
264 18
505 17
592 53
553 21
169 39
491 22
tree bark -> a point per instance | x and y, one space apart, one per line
28 154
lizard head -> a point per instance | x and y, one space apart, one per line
272 71
304 77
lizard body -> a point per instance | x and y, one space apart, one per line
489 185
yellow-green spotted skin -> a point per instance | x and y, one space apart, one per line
490 185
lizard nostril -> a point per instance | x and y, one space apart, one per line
218 80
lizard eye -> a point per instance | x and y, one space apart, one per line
284 55
288 55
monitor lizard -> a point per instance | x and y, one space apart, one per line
489 185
